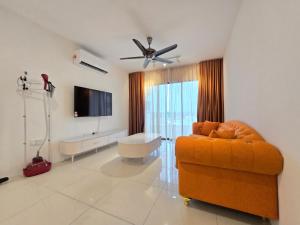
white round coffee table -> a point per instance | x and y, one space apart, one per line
138 145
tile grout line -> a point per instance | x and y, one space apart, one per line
117 217
120 218
53 189
68 185
29 206
154 203
74 220
89 206
135 182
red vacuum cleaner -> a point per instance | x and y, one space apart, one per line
38 164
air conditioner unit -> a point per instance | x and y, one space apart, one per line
86 59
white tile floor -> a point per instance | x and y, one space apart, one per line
102 189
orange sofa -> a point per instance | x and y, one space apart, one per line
236 173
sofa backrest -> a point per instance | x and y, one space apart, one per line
242 130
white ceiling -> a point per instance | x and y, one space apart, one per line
201 28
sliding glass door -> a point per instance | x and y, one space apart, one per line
171 109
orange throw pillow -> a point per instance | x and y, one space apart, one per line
213 134
208 127
226 133
197 126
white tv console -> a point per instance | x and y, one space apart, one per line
76 145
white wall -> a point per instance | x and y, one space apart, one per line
26 46
262 86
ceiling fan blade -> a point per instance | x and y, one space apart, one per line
146 63
163 60
173 57
135 57
140 46
164 50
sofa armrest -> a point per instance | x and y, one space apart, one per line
257 156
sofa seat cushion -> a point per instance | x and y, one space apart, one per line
256 156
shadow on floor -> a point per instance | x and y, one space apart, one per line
122 167
229 214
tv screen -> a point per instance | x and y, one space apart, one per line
89 102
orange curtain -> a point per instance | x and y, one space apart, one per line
136 103
211 93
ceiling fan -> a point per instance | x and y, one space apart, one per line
150 54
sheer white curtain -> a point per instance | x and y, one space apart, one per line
171 101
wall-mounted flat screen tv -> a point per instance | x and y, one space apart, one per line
90 102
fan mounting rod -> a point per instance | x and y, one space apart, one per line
149 40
